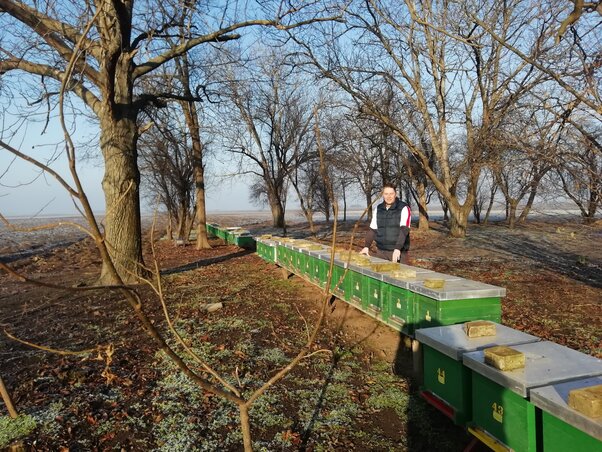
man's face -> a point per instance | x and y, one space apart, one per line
389 195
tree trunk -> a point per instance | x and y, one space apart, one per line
121 182
529 205
202 241
489 207
423 216
169 231
458 220
309 215
368 206
344 204
192 121
182 223
277 214
512 204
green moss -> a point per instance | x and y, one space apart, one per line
274 356
46 418
14 429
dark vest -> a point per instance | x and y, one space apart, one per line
387 222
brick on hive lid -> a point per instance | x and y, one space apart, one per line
479 328
382 267
403 273
434 283
587 401
504 358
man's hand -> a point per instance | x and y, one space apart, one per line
396 255
365 251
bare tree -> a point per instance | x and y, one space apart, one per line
579 169
180 353
572 63
166 158
580 7
124 42
485 195
450 86
276 113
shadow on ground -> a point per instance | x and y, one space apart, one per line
543 252
205 262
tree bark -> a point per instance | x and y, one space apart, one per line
277 214
458 216
423 216
512 204
191 116
121 182
202 241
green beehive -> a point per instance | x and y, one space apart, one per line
341 288
268 251
245 241
290 258
263 250
446 382
307 269
375 297
299 259
319 270
398 308
459 300
562 427
283 255
429 312
501 409
359 287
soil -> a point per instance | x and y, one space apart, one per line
129 397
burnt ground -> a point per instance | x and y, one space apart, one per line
355 392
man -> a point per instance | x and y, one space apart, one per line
390 227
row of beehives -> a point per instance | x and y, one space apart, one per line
550 400
232 235
522 409
402 296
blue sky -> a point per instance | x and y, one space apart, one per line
24 191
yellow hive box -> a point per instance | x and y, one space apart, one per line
504 358
434 283
587 400
479 328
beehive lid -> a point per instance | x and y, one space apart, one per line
553 399
545 363
452 341
457 288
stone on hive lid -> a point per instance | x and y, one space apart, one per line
434 283
504 358
403 273
587 401
479 328
382 267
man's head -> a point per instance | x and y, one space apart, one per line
389 193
